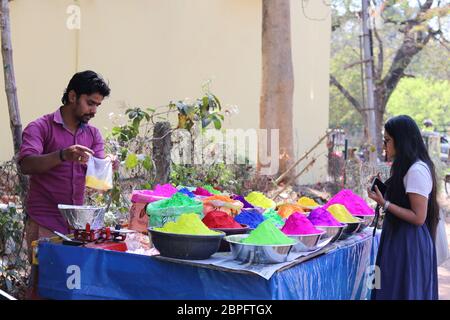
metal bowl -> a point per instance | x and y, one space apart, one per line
333 232
78 216
366 221
351 228
306 242
224 245
258 254
185 246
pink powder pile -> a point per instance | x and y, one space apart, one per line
202 192
298 224
166 190
354 203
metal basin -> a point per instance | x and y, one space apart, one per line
258 254
224 245
333 232
366 221
306 242
351 228
78 216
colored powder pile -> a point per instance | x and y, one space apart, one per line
93 182
321 217
307 202
187 192
242 199
260 200
177 200
166 190
188 223
220 219
341 214
285 210
354 203
250 217
211 189
272 215
298 224
267 234
202 192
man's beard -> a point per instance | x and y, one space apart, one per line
85 118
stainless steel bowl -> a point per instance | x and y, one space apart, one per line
258 254
306 242
78 216
366 221
351 228
333 232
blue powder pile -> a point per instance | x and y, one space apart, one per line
187 192
250 217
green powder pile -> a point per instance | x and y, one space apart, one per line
267 233
177 200
188 223
211 189
272 215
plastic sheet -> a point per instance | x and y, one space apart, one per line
79 273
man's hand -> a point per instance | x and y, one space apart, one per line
115 162
77 153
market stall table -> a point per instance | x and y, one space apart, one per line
67 272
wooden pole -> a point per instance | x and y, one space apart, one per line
10 88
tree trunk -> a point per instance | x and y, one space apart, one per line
162 146
276 105
10 88
369 76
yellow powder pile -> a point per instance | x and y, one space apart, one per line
341 214
187 223
260 200
307 202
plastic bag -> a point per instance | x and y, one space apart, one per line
441 240
99 173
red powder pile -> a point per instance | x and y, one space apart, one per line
220 219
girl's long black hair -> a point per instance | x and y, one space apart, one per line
409 148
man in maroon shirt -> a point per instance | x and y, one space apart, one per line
54 152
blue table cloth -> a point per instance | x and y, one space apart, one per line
67 272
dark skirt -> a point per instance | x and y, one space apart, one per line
407 262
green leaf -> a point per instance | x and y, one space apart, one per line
131 161
147 163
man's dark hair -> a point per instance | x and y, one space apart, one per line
86 82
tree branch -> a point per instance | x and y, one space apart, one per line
346 93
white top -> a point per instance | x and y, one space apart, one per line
418 179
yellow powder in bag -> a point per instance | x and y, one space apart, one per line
307 202
341 214
187 223
93 182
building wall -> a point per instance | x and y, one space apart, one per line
154 51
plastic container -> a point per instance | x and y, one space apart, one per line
160 216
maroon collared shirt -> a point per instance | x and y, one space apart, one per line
65 183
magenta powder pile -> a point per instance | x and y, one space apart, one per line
202 192
166 190
354 203
298 224
321 217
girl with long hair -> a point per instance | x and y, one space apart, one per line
406 254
